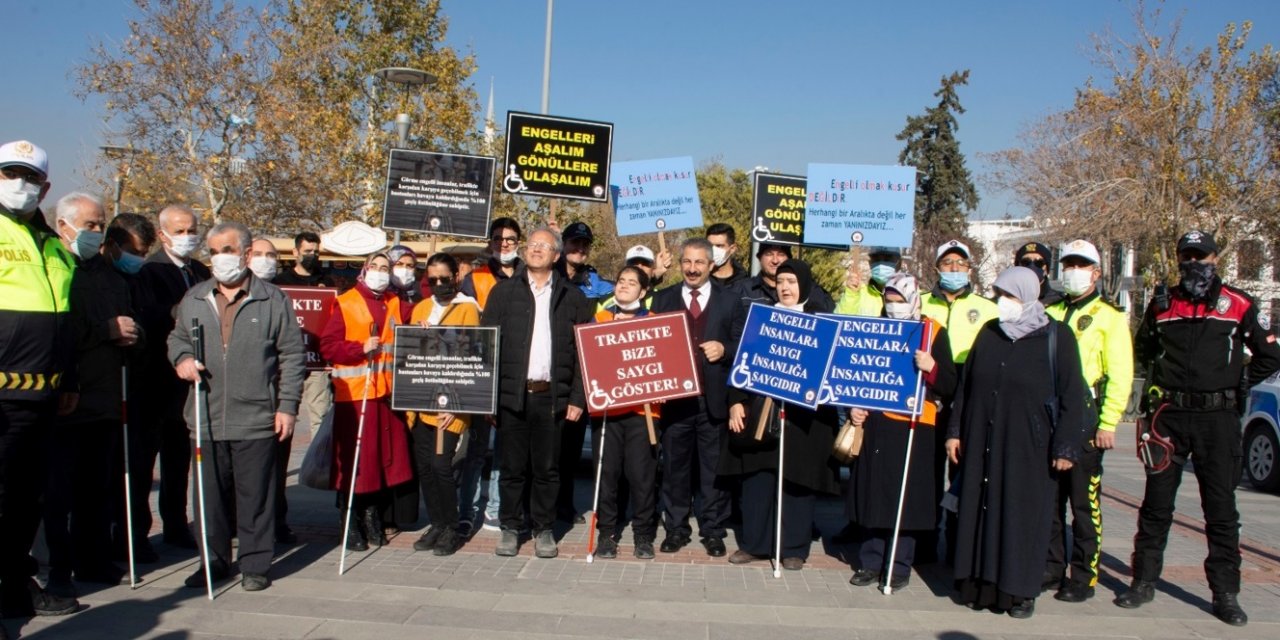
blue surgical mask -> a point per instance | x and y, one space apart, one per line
953 280
129 263
880 271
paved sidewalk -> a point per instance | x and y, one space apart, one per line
394 592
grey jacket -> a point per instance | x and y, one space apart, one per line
257 375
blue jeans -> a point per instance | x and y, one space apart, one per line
472 495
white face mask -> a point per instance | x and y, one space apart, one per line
265 267
183 246
227 268
1010 309
898 310
720 255
19 196
403 277
86 243
507 257
1077 281
377 281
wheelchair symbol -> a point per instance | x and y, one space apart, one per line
513 182
598 398
825 393
761 232
740 377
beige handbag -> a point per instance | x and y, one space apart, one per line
848 442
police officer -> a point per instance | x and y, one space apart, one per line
1106 359
1193 341
1036 256
867 298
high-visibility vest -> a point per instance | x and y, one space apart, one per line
483 280
35 293
349 380
963 318
929 412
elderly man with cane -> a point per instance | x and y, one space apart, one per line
247 395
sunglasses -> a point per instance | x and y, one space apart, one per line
439 280
1031 263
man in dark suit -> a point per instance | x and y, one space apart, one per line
164 278
694 427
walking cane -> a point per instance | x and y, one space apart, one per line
355 462
595 502
128 486
197 339
782 450
927 345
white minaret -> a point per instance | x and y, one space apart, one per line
490 129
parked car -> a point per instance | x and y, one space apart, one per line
1261 433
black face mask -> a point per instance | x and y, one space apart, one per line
444 290
1197 277
310 262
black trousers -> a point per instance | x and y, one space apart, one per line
529 445
760 515
168 439
1212 440
571 439
283 451
83 459
873 553
628 454
1081 489
435 473
24 425
692 444
240 475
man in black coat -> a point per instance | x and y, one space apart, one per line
163 280
693 428
539 387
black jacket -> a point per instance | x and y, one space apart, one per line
738 275
723 308
99 294
158 287
757 290
511 309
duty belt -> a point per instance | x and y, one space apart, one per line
1207 400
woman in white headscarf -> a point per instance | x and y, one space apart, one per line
1017 422
876 475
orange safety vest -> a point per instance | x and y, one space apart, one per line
929 413
349 379
483 280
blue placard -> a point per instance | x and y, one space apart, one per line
655 195
874 365
784 354
871 205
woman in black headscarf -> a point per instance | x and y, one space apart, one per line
810 469
1017 422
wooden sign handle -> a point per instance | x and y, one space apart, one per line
648 422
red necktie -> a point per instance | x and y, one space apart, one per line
695 309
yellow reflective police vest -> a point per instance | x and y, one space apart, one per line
35 292
962 318
863 301
1106 349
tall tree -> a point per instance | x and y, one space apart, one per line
945 193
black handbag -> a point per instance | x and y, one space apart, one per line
1054 404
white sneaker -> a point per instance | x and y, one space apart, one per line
491 524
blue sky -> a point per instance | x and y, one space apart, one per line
748 82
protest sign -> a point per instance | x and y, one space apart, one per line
784 354
631 362
869 205
445 369
557 157
778 209
445 193
656 195
874 365
311 308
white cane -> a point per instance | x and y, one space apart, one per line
906 466
782 450
128 486
595 501
355 462
197 338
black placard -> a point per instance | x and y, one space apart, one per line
557 157
445 369
777 214
444 193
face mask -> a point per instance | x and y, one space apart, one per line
507 257
19 196
720 255
129 263
227 268
310 262
881 271
402 276
444 290
953 280
1077 281
263 266
184 245
86 243
377 281
898 310
1010 309
1197 277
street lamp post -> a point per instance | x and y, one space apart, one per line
118 153
406 77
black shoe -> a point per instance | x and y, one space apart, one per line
644 549
1050 582
254 582
429 539
714 546
1139 593
27 600
218 570
864 577
571 517
674 542
1024 609
1227 608
606 546
900 582
180 538
60 585
356 540
1072 591
448 542
372 521
285 535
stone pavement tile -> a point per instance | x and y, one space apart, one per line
1213 628
430 597
341 610
734 631
706 611
847 618
280 624
774 596
346 630
597 627
324 589
485 620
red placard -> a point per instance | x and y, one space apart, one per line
630 362
312 306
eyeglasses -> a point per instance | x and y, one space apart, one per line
505 239
954 262
439 280
540 246
1027 262
22 173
